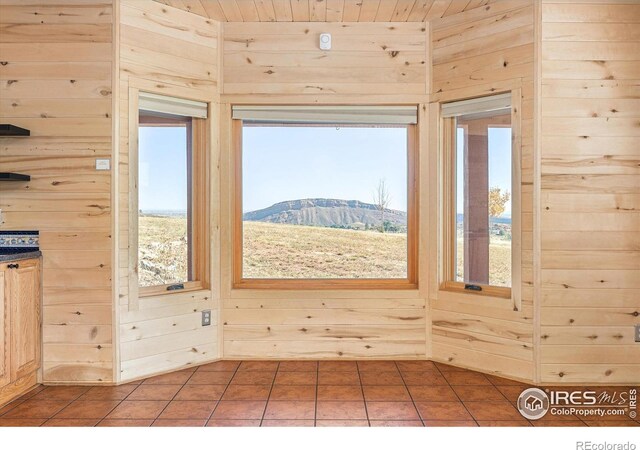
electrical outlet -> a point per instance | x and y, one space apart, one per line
103 164
206 318
638 333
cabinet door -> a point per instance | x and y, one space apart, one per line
5 330
25 318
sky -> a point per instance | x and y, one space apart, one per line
289 163
162 169
499 164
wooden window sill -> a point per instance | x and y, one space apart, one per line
328 284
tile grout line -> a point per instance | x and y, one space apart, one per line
364 399
404 383
315 413
172 398
273 382
77 399
23 398
62 409
497 386
456 394
68 402
223 392
121 400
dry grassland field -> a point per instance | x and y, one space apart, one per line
297 251
294 251
162 250
499 260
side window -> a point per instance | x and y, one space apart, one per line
171 189
480 195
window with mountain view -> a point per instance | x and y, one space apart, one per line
326 202
170 194
164 211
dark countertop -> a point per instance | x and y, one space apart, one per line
10 257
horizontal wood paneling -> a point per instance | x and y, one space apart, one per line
163 48
476 53
55 79
586 335
590 180
300 327
343 349
285 59
281 63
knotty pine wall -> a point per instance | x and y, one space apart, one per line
55 79
284 59
475 53
590 198
281 63
165 50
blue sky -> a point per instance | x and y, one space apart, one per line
288 163
162 162
499 164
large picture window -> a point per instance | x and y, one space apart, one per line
171 191
481 193
326 198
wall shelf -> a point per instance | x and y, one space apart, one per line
12 130
10 176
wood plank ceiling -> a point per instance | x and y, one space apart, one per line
325 10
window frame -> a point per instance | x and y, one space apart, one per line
408 283
447 276
198 198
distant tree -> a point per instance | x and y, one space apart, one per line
381 198
497 201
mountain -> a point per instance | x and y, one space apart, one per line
326 212
502 219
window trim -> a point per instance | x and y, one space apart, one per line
199 139
408 283
447 273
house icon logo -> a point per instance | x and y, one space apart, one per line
533 403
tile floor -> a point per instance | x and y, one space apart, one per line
290 393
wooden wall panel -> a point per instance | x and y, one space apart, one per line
475 53
336 326
370 63
163 333
329 10
55 79
277 58
590 185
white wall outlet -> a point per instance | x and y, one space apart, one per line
325 41
103 164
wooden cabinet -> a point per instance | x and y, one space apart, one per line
5 330
19 326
